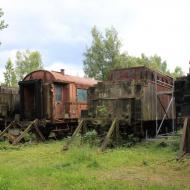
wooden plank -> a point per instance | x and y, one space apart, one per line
110 132
25 131
39 133
5 130
164 92
77 130
162 106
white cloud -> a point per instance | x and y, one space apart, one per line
70 69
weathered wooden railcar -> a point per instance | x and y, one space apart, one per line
9 104
138 96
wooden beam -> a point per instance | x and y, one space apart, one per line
109 134
5 130
185 139
39 133
77 130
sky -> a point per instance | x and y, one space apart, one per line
60 29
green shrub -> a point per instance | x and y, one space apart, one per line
91 137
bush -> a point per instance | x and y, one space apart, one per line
91 137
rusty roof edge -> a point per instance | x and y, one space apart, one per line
71 80
136 67
38 71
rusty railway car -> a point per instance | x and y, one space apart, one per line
9 105
55 98
138 97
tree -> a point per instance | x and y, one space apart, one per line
177 72
27 62
9 74
2 22
103 54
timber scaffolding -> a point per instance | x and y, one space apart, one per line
16 130
114 129
170 105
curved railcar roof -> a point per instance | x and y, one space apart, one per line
54 76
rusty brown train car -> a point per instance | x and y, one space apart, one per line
131 96
54 97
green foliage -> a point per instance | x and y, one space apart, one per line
2 22
102 110
177 72
91 137
3 25
154 62
105 55
9 74
27 62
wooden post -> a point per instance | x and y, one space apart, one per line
185 140
77 130
110 132
39 133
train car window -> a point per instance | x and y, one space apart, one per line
81 95
58 93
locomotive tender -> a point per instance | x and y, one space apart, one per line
131 96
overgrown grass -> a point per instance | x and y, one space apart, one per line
147 165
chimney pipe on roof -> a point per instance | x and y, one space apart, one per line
63 71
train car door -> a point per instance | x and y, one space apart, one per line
58 101
31 99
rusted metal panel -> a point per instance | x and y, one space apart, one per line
139 73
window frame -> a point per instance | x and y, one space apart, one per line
79 90
58 96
